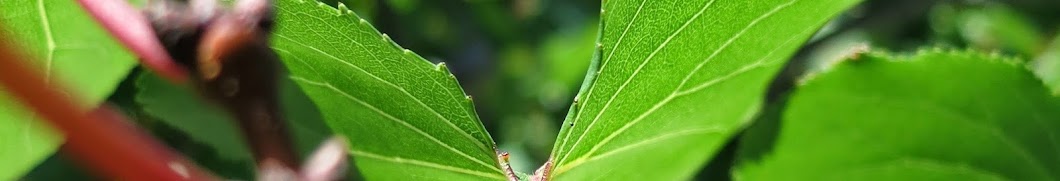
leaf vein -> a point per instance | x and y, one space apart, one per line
645 142
49 40
676 93
635 73
733 39
399 160
402 90
604 64
395 119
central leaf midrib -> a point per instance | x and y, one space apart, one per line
684 81
399 121
630 78
49 40
404 123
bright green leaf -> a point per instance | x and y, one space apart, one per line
936 116
405 118
24 141
69 45
74 51
676 79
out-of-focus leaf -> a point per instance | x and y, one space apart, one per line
996 27
59 167
1047 66
935 116
405 118
566 56
403 6
180 107
758 139
73 51
676 79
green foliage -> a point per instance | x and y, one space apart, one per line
24 141
404 117
70 46
669 83
73 51
660 64
934 116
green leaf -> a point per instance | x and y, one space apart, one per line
69 45
676 79
24 141
72 50
936 116
405 118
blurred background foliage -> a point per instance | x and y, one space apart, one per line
523 61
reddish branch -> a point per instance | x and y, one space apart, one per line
227 55
101 140
134 31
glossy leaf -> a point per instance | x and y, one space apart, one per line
675 80
72 50
405 118
935 116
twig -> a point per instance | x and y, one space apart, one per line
101 140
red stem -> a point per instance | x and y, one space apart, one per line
100 140
130 27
